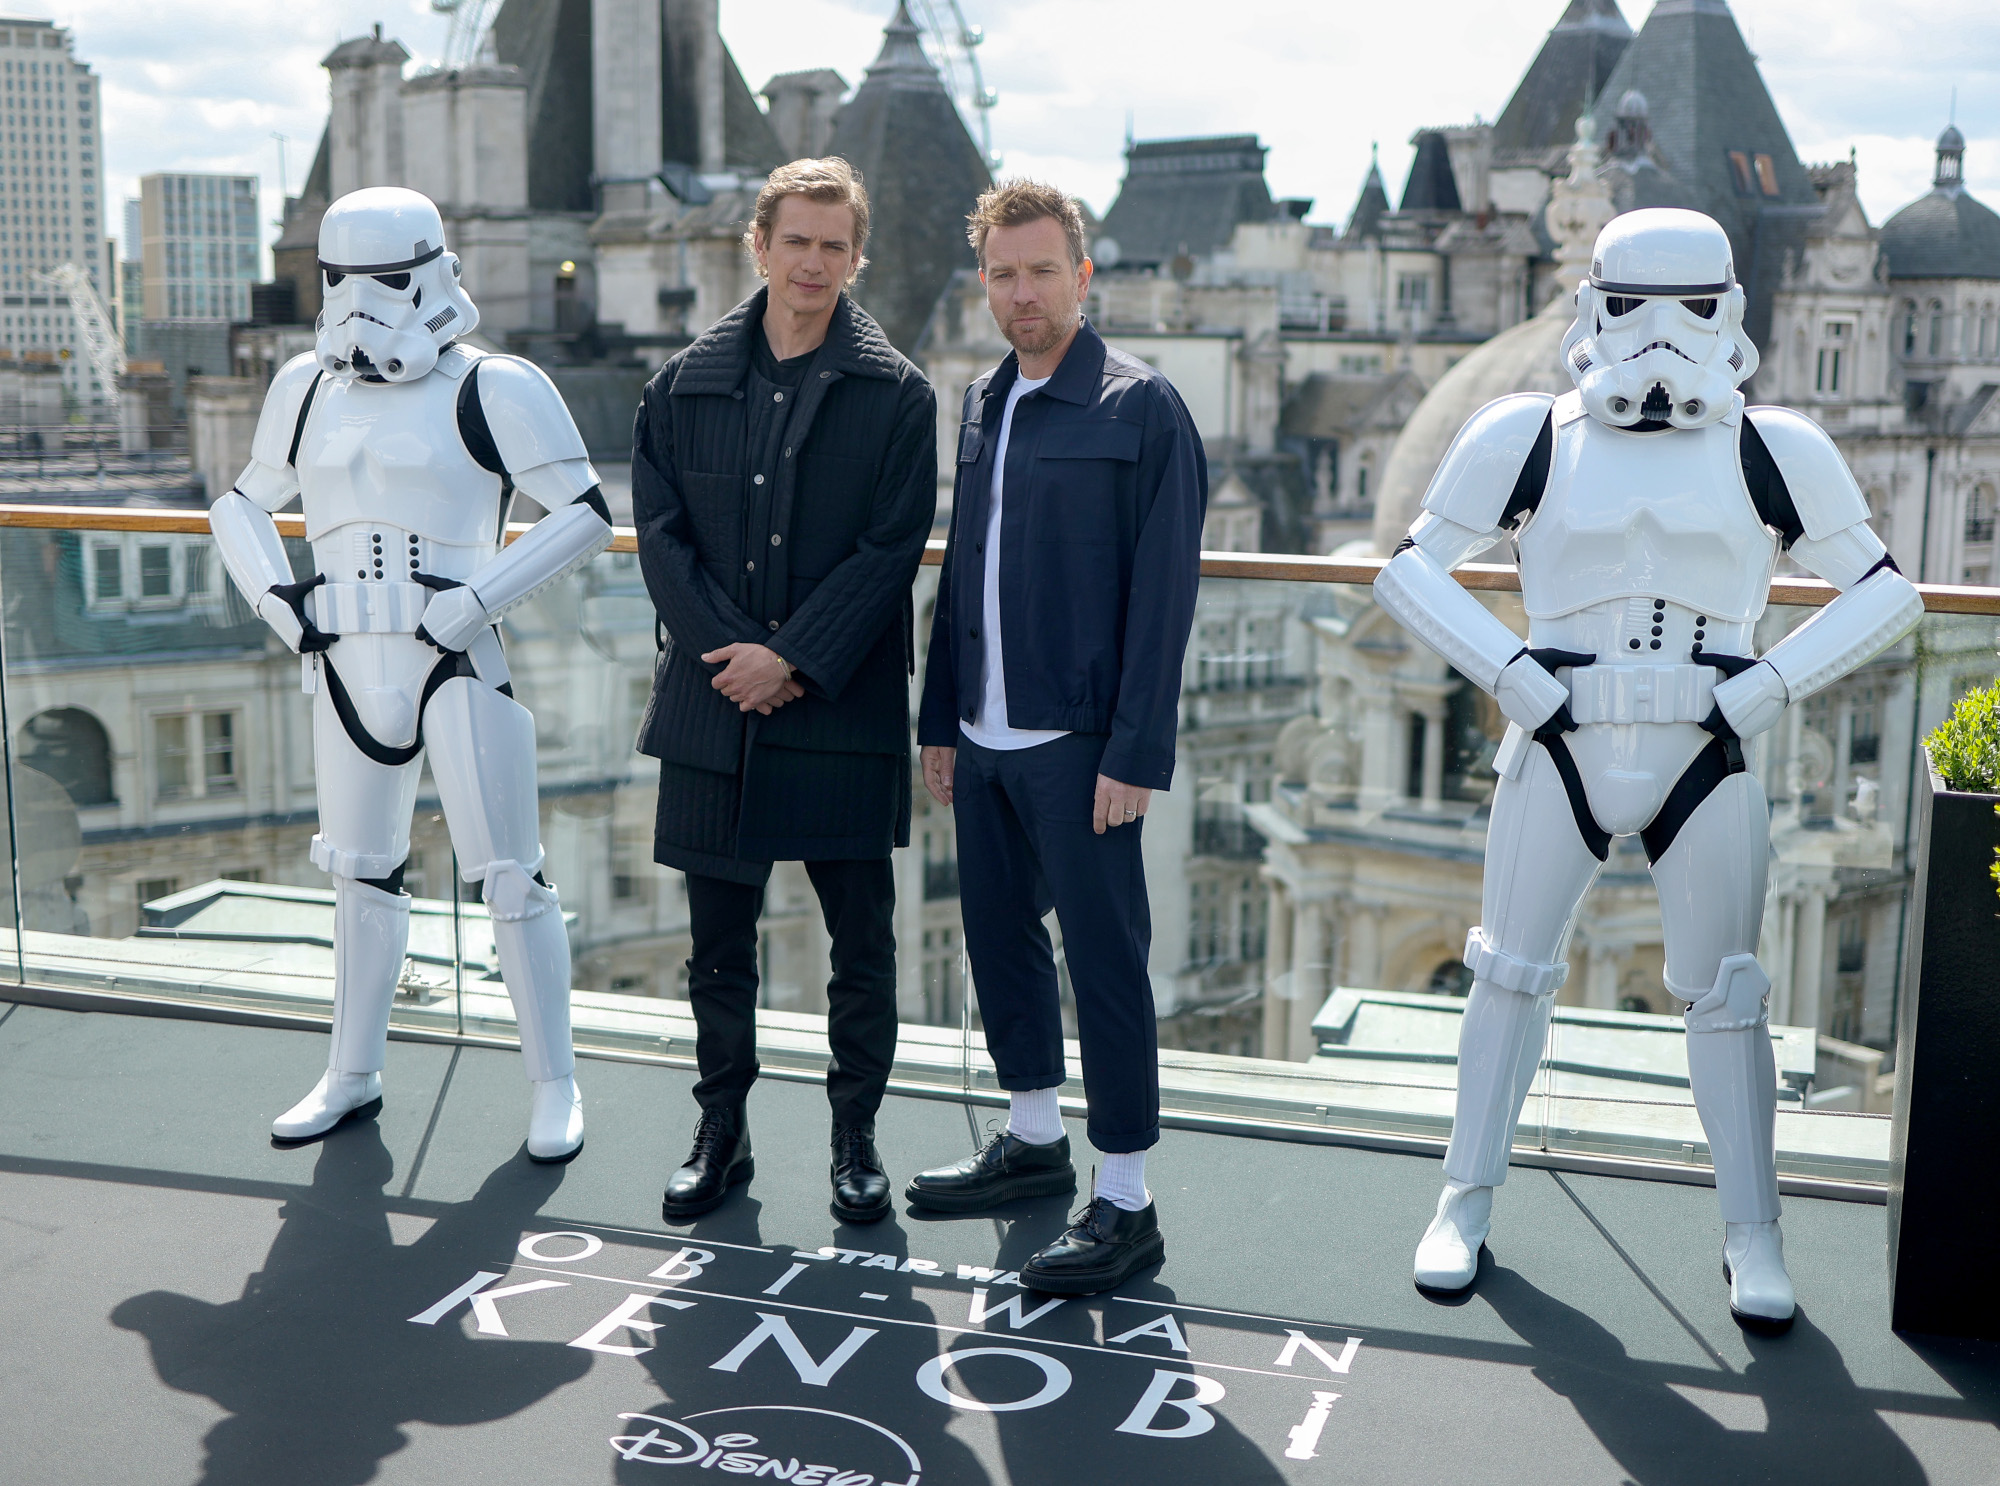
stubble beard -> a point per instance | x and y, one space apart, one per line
1047 338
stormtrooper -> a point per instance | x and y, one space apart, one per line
1646 510
404 445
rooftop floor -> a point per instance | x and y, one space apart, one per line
184 1302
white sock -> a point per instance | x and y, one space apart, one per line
1034 1115
1122 1178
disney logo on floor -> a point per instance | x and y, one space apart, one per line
665 1441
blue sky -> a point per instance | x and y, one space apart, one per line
204 86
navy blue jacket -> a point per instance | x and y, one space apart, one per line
1100 555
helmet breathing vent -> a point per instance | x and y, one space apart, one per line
1658 406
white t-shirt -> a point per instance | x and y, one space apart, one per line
991 729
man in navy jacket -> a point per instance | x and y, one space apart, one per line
1051 700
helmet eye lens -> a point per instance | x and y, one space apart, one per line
395 280
1702 307
1617 305
333 279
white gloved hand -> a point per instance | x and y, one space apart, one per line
453 617
1752 701
1527 693
283 619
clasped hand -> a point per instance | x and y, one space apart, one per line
753 677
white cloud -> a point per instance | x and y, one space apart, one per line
203 86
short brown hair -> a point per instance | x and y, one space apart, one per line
1015 201
831 180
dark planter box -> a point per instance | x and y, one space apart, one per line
1944 1204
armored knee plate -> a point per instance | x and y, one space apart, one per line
1738 999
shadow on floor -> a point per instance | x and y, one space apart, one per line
315 1364
1820 1426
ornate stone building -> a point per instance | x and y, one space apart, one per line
1377 821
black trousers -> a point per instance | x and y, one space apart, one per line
1025 844
858 900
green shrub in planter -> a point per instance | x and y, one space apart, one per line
1966 748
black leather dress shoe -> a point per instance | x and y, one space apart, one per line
860 1186
720 1159
1009 1167
1105 1246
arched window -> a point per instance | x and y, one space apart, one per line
1450 978
1909 327
70 746
1937 328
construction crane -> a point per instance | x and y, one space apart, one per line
470 20
100 342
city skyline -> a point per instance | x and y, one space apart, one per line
205 90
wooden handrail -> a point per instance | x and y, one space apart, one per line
1939 598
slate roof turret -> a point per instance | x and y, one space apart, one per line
924 174
1373 203
1430 186
1538 125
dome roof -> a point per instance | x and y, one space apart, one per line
1945 235
1524 358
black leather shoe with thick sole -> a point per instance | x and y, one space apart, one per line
860 1186
720 1160
1104 1247
1008 1168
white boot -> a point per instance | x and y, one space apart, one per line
371 932
533 949
1760 1289
333 1099
1448 1256
555 1120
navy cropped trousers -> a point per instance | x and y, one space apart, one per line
1025 844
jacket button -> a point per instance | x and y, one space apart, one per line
777 397
774 626
788 453
824 375
756 479
978 546
749 567
968 716
974 632
776 540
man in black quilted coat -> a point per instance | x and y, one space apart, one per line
784 480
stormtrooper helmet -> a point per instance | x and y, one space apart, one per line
390 294
1658 339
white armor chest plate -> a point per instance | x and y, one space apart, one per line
389 455
1660 515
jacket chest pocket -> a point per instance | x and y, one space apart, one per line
971 439
1083 482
